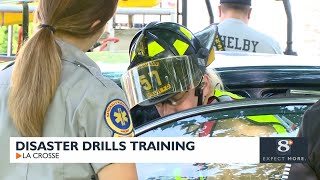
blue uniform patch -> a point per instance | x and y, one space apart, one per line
117 117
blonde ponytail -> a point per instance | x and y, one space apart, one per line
37 70
34 80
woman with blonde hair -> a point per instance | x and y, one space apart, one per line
55 90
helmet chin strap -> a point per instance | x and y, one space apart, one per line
199 93
203 54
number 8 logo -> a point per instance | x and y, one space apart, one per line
283 146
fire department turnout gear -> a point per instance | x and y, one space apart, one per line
166 58
76 110
277 122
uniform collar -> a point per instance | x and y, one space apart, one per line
234 20
74 55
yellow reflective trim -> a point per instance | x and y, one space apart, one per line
268 119
181 46
133 55
211 57
186 32
259 119
264 119
280 129
154 48
219 93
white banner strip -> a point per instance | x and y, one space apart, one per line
137 150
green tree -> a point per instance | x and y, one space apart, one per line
4 38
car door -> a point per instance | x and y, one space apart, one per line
222 120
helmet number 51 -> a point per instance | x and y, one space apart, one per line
145 83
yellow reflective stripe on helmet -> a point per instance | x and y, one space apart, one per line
211 57
133 55
181 46
218 93
154 48
269 119
186 32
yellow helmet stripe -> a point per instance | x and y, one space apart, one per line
181 46
133 55
211 57
154 48
186 32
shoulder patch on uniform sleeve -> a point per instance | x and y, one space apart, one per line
128 135
117 117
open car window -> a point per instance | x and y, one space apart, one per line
279 117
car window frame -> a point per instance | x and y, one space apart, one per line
230 105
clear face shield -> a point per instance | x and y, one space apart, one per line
155 81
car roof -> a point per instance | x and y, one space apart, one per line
245 59
229 59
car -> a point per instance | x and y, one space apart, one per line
201 121
250 75
279 85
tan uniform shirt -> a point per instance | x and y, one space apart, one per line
84 105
